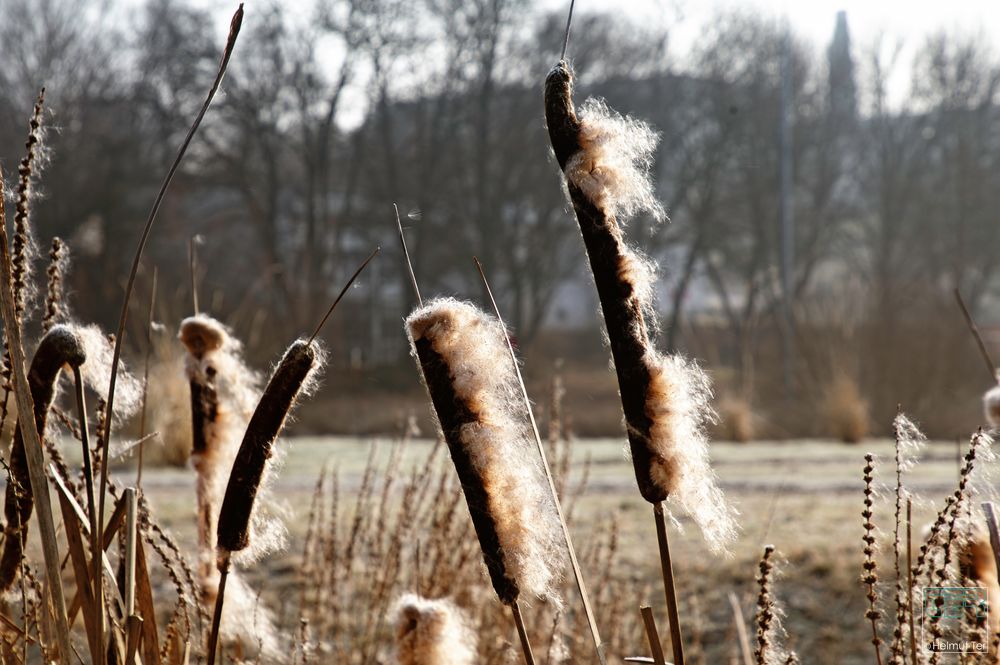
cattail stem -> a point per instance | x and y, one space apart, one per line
213 639
974 329
668 584
577 573
909 578
652 635
515 610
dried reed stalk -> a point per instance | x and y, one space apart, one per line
23 246
32 441
234 30
652 635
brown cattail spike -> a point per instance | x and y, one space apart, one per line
248 469
463 356
665 399
60 347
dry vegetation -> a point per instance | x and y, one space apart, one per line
391 568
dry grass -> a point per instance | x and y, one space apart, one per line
845 411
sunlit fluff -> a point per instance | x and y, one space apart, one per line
432 632
679 404
613 163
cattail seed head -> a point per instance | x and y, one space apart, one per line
292 376
991 406
464 360
665 399
432 632
61 347
222 390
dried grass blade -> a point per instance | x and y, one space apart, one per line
652 635
234 30
32 443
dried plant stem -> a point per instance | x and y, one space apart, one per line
652 635
343 291
515 610
991 524
145 378
32 443
668 584
577 574
870 572
741 629
406 255
765 607
213 638
569 24
909 578
234 30
974 329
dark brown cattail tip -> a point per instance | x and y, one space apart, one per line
289 379
560 115
202 334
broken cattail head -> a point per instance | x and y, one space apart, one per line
464 359
991 406
202 334
60 347
432 632
289 379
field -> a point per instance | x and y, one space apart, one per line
801 496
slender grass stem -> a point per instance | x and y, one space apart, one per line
145 379
193 269
406 255
974 329
515 610
569 23
234 30
668 584
343 291
909 579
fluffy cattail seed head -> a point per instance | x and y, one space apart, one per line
991 406
665 399
432 632
289 379
465 364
